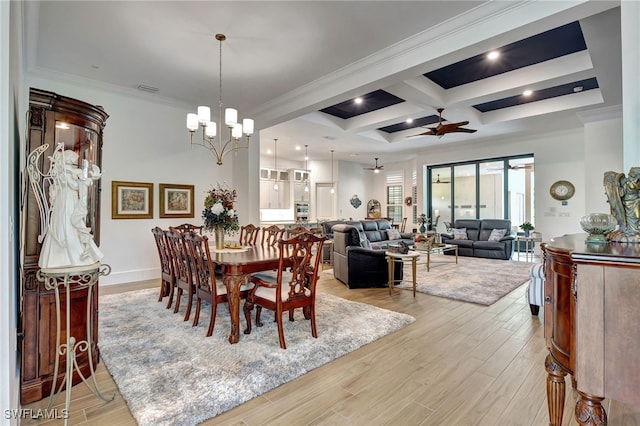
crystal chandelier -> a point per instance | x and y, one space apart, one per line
209 128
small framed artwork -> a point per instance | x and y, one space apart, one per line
176 200
131 200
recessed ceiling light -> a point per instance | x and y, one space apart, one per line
409 120
493 55
358 100
577 89
527 93
298 148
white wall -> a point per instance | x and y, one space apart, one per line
11 123
146 141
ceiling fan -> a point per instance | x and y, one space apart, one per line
443 128
527 166
444 180
376 168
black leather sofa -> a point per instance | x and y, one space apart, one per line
361 267
476 244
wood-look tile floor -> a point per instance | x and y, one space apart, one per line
458 364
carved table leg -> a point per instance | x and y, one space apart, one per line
555 390
589 410
233 283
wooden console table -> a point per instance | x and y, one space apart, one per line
591 317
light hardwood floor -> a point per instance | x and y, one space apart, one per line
458 364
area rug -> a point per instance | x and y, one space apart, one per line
475 280
171 374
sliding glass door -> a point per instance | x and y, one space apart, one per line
485 189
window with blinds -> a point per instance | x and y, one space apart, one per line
394 181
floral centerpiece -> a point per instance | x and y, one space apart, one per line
219 215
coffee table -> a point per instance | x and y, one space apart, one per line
439 249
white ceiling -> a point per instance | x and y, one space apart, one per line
283 61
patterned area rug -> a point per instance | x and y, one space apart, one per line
475 280
171 374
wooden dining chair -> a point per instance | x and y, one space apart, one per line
298 256
249 235
271 235
166 266
295 231
403 225
207 287
185 227
183 272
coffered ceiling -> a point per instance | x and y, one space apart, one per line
296 67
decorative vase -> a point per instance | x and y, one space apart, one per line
423 229
219 233
527 233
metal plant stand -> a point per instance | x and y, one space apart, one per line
54 278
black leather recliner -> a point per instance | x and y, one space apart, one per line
356 266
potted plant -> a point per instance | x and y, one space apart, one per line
423 220
527 227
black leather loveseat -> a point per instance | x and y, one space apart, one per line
359 264
474 240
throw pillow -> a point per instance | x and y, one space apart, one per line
497 234
460 234
394 234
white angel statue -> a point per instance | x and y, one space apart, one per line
67 240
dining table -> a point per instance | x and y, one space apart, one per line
236 266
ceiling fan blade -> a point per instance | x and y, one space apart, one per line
463 130
429 132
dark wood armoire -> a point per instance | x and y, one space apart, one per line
54 119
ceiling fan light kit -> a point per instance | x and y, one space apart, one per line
376 168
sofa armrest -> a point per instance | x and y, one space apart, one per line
365 252
507 238
446 236
407 235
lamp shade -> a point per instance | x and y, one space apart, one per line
192 122
247 126
236 132
230 116
210 130
204 114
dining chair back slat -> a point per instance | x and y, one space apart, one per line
185 227
249 235
271 235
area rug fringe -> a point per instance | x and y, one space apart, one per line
171 374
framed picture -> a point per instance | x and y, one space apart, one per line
131 200
176 200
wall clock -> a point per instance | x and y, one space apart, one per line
562 190
408 201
